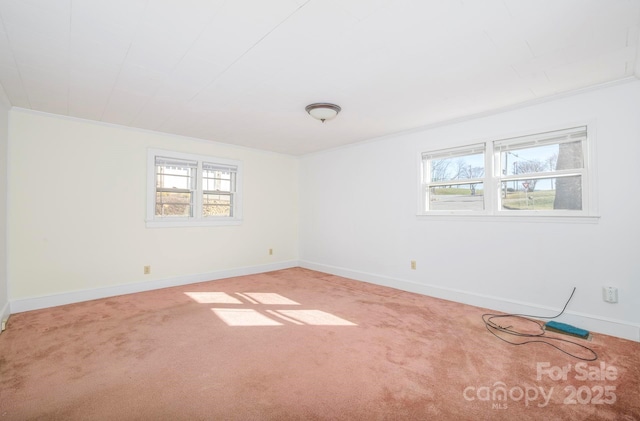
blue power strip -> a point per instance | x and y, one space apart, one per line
567 329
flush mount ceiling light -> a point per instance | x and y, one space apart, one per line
323 111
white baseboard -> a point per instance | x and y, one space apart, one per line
589 322
35 303
592 323
4 314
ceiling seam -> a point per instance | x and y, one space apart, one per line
204 28
250 48
13 56
115 83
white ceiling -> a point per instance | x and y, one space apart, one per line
242 71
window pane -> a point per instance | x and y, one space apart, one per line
216 205
459 197
175 174
173 181
179 175
553 193
186 189
173 204
215 180
457 168
546 158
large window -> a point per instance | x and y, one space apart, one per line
185 189
544 174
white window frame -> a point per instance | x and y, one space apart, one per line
427 183
154 221
493 180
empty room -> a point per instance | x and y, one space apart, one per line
319 209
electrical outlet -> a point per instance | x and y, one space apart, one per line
4 325
413 264
147 270
270 252
610 294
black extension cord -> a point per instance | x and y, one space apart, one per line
494 328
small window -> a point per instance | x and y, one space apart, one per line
544 174
454 179
185 189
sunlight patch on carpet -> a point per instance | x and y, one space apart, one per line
270 298
315 317
280 316
207 297
264 316
244 317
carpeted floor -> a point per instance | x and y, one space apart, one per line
302 345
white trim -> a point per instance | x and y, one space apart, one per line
149 131
488 113
492 179
5 312
4 99
35 303
636 67
605 325
593 323
5 309
520 218
196 220
173 223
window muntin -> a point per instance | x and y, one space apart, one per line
457 197
542 174
454 179
217 205
175 187
543 195
186 189
219 185
463 166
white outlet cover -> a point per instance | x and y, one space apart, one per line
610 294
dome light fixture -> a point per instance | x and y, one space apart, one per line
323 111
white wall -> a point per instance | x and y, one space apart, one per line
76 210
358 210
77 214
4 140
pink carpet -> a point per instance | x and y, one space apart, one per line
297 345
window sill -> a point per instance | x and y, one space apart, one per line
192 223
569 219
